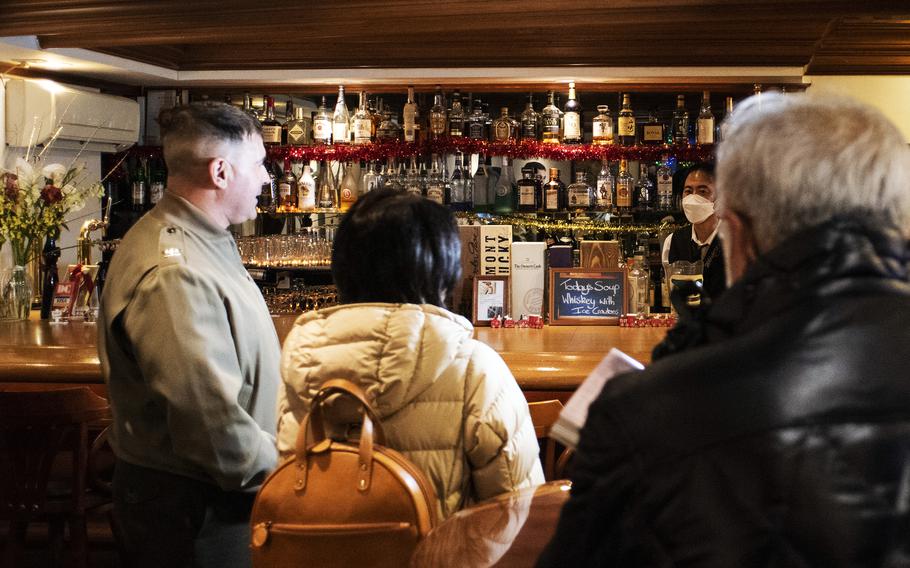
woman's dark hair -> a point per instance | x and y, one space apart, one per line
398 248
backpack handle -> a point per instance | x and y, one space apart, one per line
371 429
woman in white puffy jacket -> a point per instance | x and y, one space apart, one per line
446 401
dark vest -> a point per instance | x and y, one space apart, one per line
682 247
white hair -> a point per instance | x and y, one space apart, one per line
789 162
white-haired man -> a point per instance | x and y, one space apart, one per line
784 438
189 352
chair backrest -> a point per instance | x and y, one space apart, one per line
36 425
543 414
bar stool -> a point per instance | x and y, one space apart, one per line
37 426
543 414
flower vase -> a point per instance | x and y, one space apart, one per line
17 286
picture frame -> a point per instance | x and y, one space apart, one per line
491 298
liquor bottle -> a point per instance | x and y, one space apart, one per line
412 180
456 116
603 198
157 182
529 191
725 124
640 284
341 120
624 188
306 190
370 179
140 187
438 118
572 119
644 189
483 187
248 105
579 193
298 128
554 193
389 128
652 132
435 184
705 130
362 122
557 101
477 122
504 190
466 169
457 183
625 126
503 127
288 118
530 121
271 128
423 177
410 116
549 118
348 190
680 124
268 196
376 109
287 188
602 134
49 257
327 196
322 125
664 186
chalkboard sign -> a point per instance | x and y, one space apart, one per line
581 296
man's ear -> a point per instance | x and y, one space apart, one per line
220 172
739 245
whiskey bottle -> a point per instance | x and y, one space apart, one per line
438 115
327 197
503 127
554 193
624 188
271 128
602 134
530 121
625 126
477 122
644 189
549 118
306 190
603 198
652 132
579 193
363 122
348 190
664 186
680 124
705 130
572 119
411 117
456 116
341 120
504 190
529 191
298 129
322 125
287 188
435 184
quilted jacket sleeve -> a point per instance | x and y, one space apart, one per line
499 438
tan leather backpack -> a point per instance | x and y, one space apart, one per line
337 504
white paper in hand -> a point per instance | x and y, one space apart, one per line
573 416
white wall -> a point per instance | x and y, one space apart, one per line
890 94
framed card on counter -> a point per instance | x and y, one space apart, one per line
491 299
581 296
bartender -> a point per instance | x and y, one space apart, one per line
699 241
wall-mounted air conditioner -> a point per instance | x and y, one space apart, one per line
37 108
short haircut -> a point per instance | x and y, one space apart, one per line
186 131
706 167
397 248
790 162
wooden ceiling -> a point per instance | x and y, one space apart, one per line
825 36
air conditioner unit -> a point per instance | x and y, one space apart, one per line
37 108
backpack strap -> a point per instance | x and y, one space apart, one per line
370 429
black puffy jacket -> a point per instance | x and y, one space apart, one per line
783 440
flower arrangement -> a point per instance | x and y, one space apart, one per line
35 200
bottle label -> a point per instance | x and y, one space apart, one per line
322 130
551 124
271 134
284 191
438 123
664 185
340 132
529 129
410 118
603 129
581 198
156 191
705 133
296 134
572 123
455 129
605 193
435 193
624 194
363 128
526 195
307 197
626 126
475 130
552 199
347 195
139 192
414 190
502 190
653 133
501 130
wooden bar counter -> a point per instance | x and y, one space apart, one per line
554 359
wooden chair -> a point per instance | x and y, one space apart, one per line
543 414
37 426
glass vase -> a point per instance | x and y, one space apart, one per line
16 292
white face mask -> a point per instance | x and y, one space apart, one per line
697 208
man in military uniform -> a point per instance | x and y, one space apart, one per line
189 352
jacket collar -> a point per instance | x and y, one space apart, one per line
173 209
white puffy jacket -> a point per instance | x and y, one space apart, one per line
446 401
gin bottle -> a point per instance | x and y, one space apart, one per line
341 120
